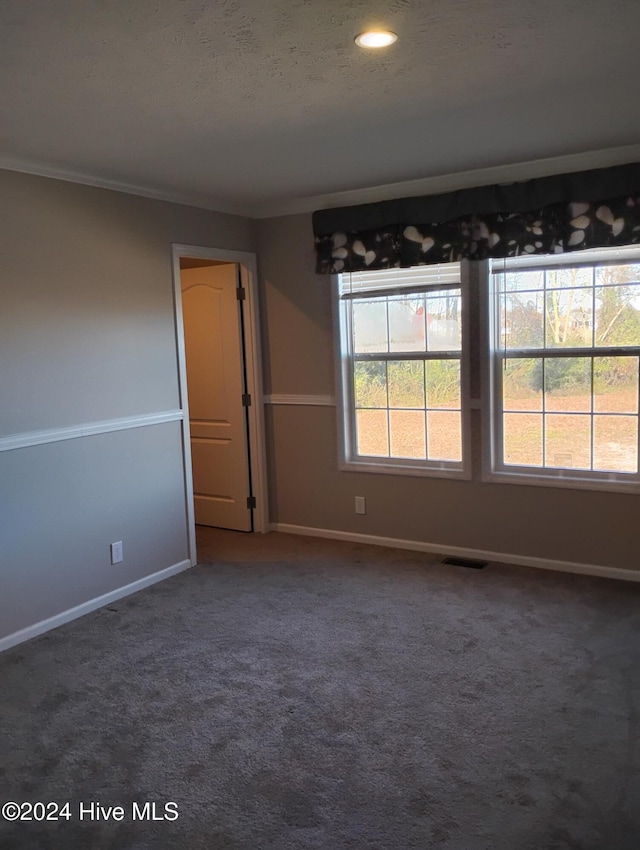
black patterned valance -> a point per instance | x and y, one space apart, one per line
550 215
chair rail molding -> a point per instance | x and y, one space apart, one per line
89 429
303 400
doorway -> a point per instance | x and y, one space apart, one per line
217 330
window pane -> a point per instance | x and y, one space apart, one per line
559 278
577 412
372 433
615 384
407 433
567 384
617 315
407 326
615 443
406 383
522 320
370 383
522 384
626 273
522 439
443 322
390 322
519 281
567 441
443 383
370 325
569 318
444 436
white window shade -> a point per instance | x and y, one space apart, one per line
358 284
588 257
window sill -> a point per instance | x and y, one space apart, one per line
385 467
562 481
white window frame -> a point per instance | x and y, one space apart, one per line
493 467
348 460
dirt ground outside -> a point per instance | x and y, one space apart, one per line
564 435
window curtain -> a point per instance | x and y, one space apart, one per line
549 215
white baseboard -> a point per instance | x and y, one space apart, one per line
478 554
86 607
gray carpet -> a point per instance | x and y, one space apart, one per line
296 693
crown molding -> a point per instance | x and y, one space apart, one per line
41 169
511 173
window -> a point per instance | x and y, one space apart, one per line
402 349
559 364
564 352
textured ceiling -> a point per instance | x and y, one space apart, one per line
252 104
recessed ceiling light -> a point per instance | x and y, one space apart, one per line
376 38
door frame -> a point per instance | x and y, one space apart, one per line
248 265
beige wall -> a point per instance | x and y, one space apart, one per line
87 334
295 309
307 488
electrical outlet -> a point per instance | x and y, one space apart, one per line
116 552
361 507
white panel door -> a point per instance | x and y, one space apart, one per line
215 383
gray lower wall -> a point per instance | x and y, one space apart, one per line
87 334
307 488
65 502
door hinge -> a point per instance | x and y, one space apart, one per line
251 501
240 293
246 400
